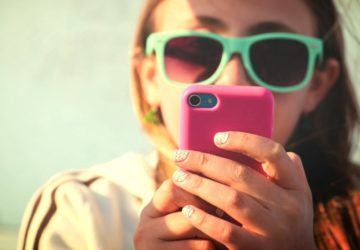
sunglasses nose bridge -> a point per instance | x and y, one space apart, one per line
236 46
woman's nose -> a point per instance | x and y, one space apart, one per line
234 73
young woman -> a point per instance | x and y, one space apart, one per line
308 198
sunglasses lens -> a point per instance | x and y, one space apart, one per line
279 62
192 59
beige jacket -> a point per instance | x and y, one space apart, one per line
95 208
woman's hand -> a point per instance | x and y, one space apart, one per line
267 212
162 225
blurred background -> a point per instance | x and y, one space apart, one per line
64 94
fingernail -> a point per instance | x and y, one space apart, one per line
221 138
179 175
188 211
266 169
180 155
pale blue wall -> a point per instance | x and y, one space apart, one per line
64 97
64 94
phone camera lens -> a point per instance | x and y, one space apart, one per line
194 100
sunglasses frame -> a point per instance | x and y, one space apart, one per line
157 42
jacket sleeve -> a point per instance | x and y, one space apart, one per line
78 210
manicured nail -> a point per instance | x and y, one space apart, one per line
180 155
221 138
188 211
179 175
220 213
266 169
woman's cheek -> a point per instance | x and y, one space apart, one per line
288 109
170 100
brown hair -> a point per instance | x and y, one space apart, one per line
157 132
329 130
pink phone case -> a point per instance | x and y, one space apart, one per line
239 108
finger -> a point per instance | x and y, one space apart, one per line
142 242
231 173
226 233
193 244
243 208
301 172
169 198
272 155
170 227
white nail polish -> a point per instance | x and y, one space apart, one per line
180 155
179 175
188 211
221 138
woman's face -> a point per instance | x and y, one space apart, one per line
230 18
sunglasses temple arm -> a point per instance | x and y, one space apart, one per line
149 47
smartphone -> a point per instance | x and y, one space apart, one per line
208 109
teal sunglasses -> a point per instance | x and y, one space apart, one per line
280 62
